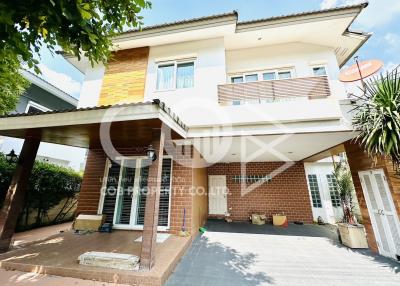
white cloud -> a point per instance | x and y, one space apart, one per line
378 12
60 80
326 4
393 40
388 67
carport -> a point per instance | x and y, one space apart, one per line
245 254
136 125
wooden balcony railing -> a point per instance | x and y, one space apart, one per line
274 90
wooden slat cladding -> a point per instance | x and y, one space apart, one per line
360 161
270 90
125 77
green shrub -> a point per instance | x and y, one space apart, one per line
6 170
49 186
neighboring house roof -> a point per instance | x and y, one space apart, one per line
40 82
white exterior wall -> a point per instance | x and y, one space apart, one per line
301 56
198 106
91 86
208 74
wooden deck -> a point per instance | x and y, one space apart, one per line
57 255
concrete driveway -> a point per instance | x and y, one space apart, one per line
244 254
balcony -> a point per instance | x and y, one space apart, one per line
274 90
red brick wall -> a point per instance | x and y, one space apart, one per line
181 198
287 192
89 194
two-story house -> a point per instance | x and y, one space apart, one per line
232 111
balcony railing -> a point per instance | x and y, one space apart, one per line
274 90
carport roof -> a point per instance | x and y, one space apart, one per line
131 122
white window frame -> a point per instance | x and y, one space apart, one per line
284 70
136 183
251 73
319 66
176 63
260 74
35 105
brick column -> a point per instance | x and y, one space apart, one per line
152 204
14 201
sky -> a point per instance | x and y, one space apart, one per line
381 18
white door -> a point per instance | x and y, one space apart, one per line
217 195
324 195
382 212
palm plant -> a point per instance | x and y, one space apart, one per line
377 117
345 187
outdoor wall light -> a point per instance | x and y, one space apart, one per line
12 157
151 153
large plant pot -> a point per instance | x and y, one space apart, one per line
279 220
353 236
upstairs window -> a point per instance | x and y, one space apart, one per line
236 79
269 76
185 75
319 70
264 75
251 77
165 77
284 74
175 75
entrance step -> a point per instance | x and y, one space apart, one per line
110 260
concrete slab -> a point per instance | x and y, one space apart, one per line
57 255
17 278
30 236
112 260
244 254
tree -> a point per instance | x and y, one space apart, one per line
377 116
12 84
79 27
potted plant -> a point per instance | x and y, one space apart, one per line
352 233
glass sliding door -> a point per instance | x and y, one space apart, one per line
141 202
110 193
124 200
165 197
164 205
126 192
